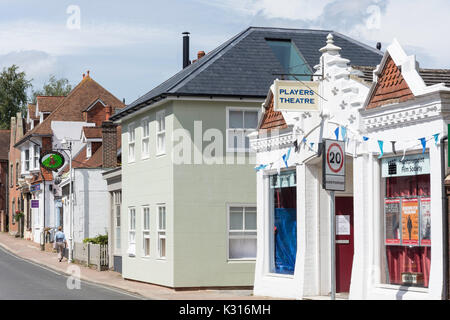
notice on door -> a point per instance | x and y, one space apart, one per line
410 221
425 230
392 221
343 225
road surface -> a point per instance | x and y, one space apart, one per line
24 280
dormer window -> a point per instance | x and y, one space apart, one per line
290 59
89 150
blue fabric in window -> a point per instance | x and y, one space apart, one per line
285 240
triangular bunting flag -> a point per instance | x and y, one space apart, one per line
336 132
424 144
343 133
380 144
436 138
393 147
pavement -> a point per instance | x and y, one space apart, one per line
31 253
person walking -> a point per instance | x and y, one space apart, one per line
60 243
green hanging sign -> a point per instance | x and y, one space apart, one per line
52 160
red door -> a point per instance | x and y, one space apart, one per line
344 243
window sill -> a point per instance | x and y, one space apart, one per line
132 161
396 287
280 275
160 154
243 260
161 259
145 157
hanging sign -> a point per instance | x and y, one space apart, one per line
425 222
52 160
333 165
410 221
34 204
296 95
392 221
35 187
411 165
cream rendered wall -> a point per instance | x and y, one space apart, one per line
201 195
148 182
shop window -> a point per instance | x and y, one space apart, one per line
242 232
146 231
283 219
407 223
117 203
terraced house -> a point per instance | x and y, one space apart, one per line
188 215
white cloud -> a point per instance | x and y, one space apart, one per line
58 39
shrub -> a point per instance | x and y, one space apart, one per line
100 239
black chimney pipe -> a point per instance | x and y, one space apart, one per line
186 61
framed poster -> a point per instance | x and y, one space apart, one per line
425 222
343 225
410 221
392 221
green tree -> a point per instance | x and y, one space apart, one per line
54 87
13 94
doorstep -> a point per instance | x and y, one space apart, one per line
339 296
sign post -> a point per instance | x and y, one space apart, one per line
333 175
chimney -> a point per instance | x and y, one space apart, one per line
109 137
108 112
200 54
186 61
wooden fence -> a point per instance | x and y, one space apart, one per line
91 254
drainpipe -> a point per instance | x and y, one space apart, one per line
444 222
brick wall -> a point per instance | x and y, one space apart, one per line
109 134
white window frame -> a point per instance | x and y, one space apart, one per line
160 115
243 230
131 231
36 157
145 140
88 149
117 207
246 132
162 232
146 231
26 162
131 142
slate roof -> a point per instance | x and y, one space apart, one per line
245 65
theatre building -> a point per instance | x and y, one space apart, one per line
389 219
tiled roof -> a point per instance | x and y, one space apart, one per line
92 132
5 136
32 112
390 87
272 119
245 66
429 76
71 108
48 103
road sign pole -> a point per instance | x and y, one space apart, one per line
333 247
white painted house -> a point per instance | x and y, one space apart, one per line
375 257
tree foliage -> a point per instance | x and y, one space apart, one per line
13 94
54 87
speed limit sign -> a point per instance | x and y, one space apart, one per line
333 165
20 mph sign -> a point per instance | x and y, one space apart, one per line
333 165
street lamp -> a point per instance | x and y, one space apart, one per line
67 146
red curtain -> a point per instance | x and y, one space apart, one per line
402 258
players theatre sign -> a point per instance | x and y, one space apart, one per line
296 96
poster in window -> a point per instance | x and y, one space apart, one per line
425 222
410 221
392 220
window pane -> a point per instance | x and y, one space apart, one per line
236 119
242 248
250 218
118 238
251 119
147 246
236 218
162 247
236 139
162 218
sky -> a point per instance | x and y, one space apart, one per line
132 46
